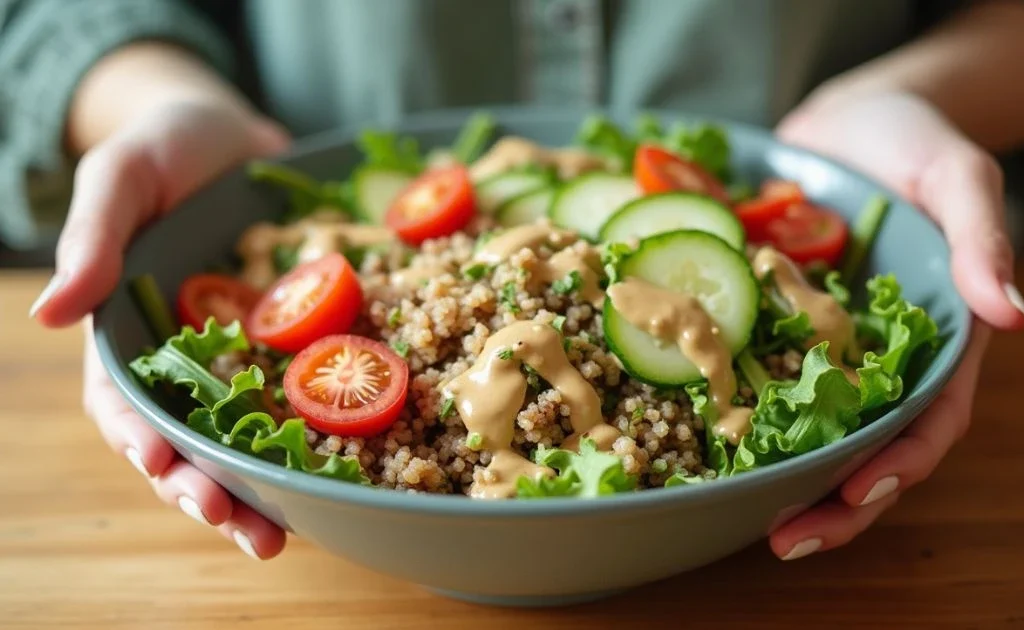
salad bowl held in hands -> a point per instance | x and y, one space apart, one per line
595 269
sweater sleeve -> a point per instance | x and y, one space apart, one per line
46 47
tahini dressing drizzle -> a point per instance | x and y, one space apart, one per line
831 322
490 394
576 255
315 236
513 152
679 318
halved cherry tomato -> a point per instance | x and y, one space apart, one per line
657 170
209 294
436 204
776 196
313 300
808 233
347 385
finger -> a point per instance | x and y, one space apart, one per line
914 455
963 190
122 429
187 488
825 526
254 534
115 192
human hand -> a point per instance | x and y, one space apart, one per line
905 143
138 174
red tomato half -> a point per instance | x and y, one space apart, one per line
776 196
657 170
208 295
807 233
347 385
436 204
313 300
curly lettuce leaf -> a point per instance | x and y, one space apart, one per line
230 414
684 479
795 418
184 358
835 287
391 151
793 329
707 145
716 450
587 474
904 329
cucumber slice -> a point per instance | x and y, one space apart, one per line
497 190
698 264
667 212
526 208
376 188
585 203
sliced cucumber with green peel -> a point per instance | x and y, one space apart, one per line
667 212
525 208
698 264
585 203
495 191
376 188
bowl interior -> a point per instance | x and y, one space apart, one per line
203 230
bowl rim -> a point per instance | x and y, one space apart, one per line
247 466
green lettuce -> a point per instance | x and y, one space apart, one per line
231 414
390 151
904 329
587 474
796 418
707 145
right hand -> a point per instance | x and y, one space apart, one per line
135 176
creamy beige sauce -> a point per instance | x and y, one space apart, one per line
576 256
584 260
679 318
528 236
489 395
315 236
513 152
831 322
415 276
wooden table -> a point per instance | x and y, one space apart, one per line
84 543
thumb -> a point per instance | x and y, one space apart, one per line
963 190
116 190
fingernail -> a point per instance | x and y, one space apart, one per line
1013 294
803 548
133 456
190 507
882 488
56 282
245 544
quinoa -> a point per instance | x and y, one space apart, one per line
444 322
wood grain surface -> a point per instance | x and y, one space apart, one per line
84 543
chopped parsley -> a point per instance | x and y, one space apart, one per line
474 441
508 297
401 347
558 323
505 354
638 413
611 257
394 315
476 271
447 407
568 284
279 397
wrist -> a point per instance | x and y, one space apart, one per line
139 79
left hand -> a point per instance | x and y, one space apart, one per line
905 143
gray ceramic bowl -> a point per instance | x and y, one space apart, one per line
529 552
